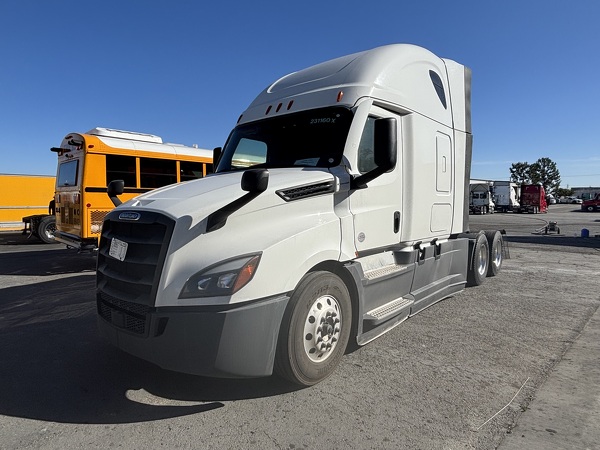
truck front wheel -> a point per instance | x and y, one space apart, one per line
46 229
591 208
315 329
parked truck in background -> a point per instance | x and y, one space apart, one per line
591 204
480 198
338 209
505 195
27 204
533 199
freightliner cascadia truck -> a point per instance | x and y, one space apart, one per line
339 208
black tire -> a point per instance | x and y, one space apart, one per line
46 229
494 239
590 208
315 329
479 260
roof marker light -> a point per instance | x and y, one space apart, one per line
340 96
278 107
290 104
268 110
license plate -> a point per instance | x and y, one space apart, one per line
118 249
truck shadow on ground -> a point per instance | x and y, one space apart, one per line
55 366
18 238
49 261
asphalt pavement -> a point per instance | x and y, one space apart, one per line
565 412
513 363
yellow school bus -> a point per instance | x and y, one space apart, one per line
87 162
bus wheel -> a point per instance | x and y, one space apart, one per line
494 239
479 261
46 229
315 329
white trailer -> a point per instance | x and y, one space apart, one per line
480 198
506 196
339 208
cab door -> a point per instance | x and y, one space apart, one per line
376 209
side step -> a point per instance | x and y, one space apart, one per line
385 271
385 312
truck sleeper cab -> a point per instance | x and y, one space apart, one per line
338 209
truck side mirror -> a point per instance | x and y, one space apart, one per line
384 151
115 188
216 155
386 142
254 182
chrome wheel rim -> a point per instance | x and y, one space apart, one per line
482 267
322 328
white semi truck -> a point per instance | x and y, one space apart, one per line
480 198
506 196
338 209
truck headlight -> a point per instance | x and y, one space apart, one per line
224 278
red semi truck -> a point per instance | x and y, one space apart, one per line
533 199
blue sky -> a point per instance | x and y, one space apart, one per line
185 70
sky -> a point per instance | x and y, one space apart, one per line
186 70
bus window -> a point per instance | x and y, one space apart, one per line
190 170
155 173
121 168
67 173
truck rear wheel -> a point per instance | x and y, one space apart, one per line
46 229
479 261
315 329
494 239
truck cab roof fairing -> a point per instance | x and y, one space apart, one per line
398 74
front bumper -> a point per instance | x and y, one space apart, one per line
232 342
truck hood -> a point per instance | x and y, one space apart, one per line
297 207
197 199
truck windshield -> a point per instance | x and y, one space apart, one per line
314 138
